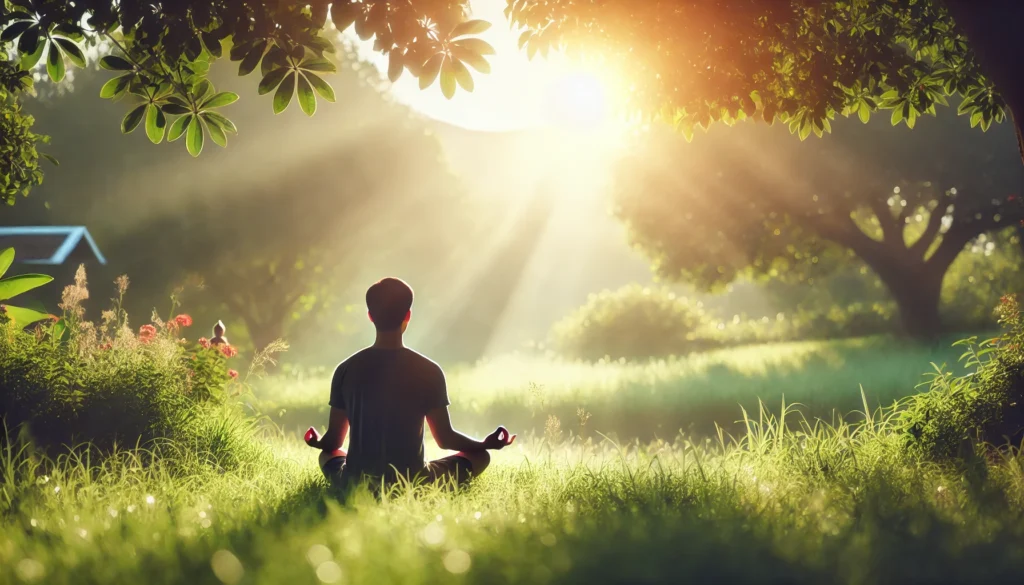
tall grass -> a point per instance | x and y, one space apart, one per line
807 503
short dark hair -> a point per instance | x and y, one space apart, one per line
389 301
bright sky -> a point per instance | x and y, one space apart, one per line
518 93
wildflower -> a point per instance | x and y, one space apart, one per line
147 333
228 350
106 346
183 320
204 343
233 374
122 284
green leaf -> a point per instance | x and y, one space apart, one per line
430 70
217 134
283 96
805 129
175 109
307 99
202 90
478 46
271 80
194 138
24 317
343 14
462 75
211 43
864 113
219 100
322 87
55 63
897 115
29 41
60 330
448 81
156 124
116 87
178 127
252 58
396 65
470 27
50 158
115 63
15 285
30 59
13 31
474 59
6 259
72 51
133 118
318 64
226 125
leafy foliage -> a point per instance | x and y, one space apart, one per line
75 380
15 285
632 322
986 406
163 56
704 62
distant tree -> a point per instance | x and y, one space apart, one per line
749 200
801 62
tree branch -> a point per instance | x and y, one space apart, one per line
891 230
931 231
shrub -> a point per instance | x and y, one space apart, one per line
632 322
986 405
72 380
854 320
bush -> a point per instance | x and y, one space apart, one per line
632 322
986 405
71 381
639 323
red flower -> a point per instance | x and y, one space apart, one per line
147 333
204 342
106 346
228 350
183 320
233 373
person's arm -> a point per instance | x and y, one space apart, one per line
449 439
337 430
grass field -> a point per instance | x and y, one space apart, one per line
802 502
650 400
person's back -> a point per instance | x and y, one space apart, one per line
383 394
387 394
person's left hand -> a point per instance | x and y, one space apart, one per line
312 437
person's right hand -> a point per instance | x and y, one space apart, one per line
312 437
499 439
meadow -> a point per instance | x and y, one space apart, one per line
692 395
785 498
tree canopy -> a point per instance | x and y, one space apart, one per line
689 63
750 199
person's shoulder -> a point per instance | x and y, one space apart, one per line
423 361
350 360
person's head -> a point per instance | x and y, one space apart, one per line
389 302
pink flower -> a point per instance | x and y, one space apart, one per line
183 320
171 325
147 333
228 350
204 342
233 374
106 346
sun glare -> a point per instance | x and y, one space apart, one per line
577 100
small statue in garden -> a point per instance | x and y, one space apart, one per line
218 334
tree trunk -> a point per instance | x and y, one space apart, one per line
995 32
915 286
918 303
264 333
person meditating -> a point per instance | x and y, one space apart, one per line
380 397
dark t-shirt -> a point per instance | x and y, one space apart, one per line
386 394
